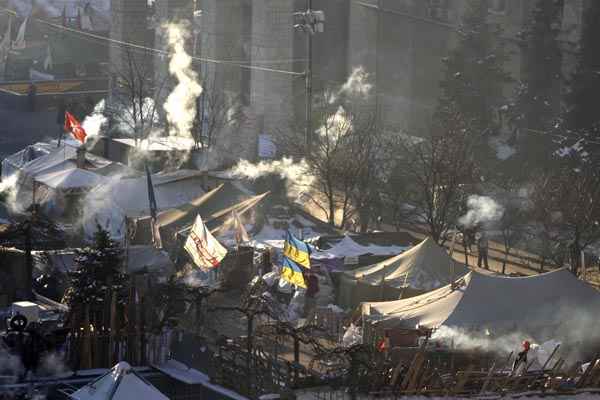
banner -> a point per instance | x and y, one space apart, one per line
206 252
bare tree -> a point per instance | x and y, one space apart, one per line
435 171
567 206
218 113
133 106
340 156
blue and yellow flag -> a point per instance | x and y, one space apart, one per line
296 250
292 272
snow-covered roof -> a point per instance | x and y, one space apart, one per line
70 179
349 248
168 143
426 266
496 302
120 383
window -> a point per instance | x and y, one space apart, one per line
497 6
438 10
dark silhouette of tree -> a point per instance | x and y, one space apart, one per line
98 272
474 71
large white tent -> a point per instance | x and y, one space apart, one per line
120 383
424 267
497 303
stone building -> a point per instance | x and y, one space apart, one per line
399 43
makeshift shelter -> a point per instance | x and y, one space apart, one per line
62 191
546 303
424 267
120 383
110 204
73 180
213 206
342 253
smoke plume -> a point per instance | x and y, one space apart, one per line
92 124
357 84
482 210
295 173
8 191
180 105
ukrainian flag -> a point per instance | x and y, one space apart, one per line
292 272
296 250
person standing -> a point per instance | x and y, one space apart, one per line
310 300
482 247
521 360
31 97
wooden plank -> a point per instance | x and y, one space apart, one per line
488 377
586 373
462 380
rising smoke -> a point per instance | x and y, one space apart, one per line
357 84
180 105
92 124
295 173
481 210
8 192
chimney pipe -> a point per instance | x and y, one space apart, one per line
81 150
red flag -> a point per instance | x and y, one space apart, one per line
73 126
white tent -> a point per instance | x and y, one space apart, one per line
73 179
109 204
120 383
349 248
426 266
498 303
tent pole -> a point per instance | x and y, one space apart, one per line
452 272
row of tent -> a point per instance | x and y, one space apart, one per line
425 288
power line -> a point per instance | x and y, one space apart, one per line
158 51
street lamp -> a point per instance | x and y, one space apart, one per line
310 22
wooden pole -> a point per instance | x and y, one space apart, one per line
583 268
452 271
113 327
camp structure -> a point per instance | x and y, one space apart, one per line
549 304
343 253
214 206
120 383
424 267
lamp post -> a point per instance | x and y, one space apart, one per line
310 22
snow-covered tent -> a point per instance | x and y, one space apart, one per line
347 247
120 383
424 267
534 304
74 180
111 203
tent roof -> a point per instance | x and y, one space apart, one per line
208 205
425 266
494 302
347 247
75 178
130 195
120 383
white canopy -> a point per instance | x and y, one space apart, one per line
426 266
71 179
120 383
349 248
555 298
